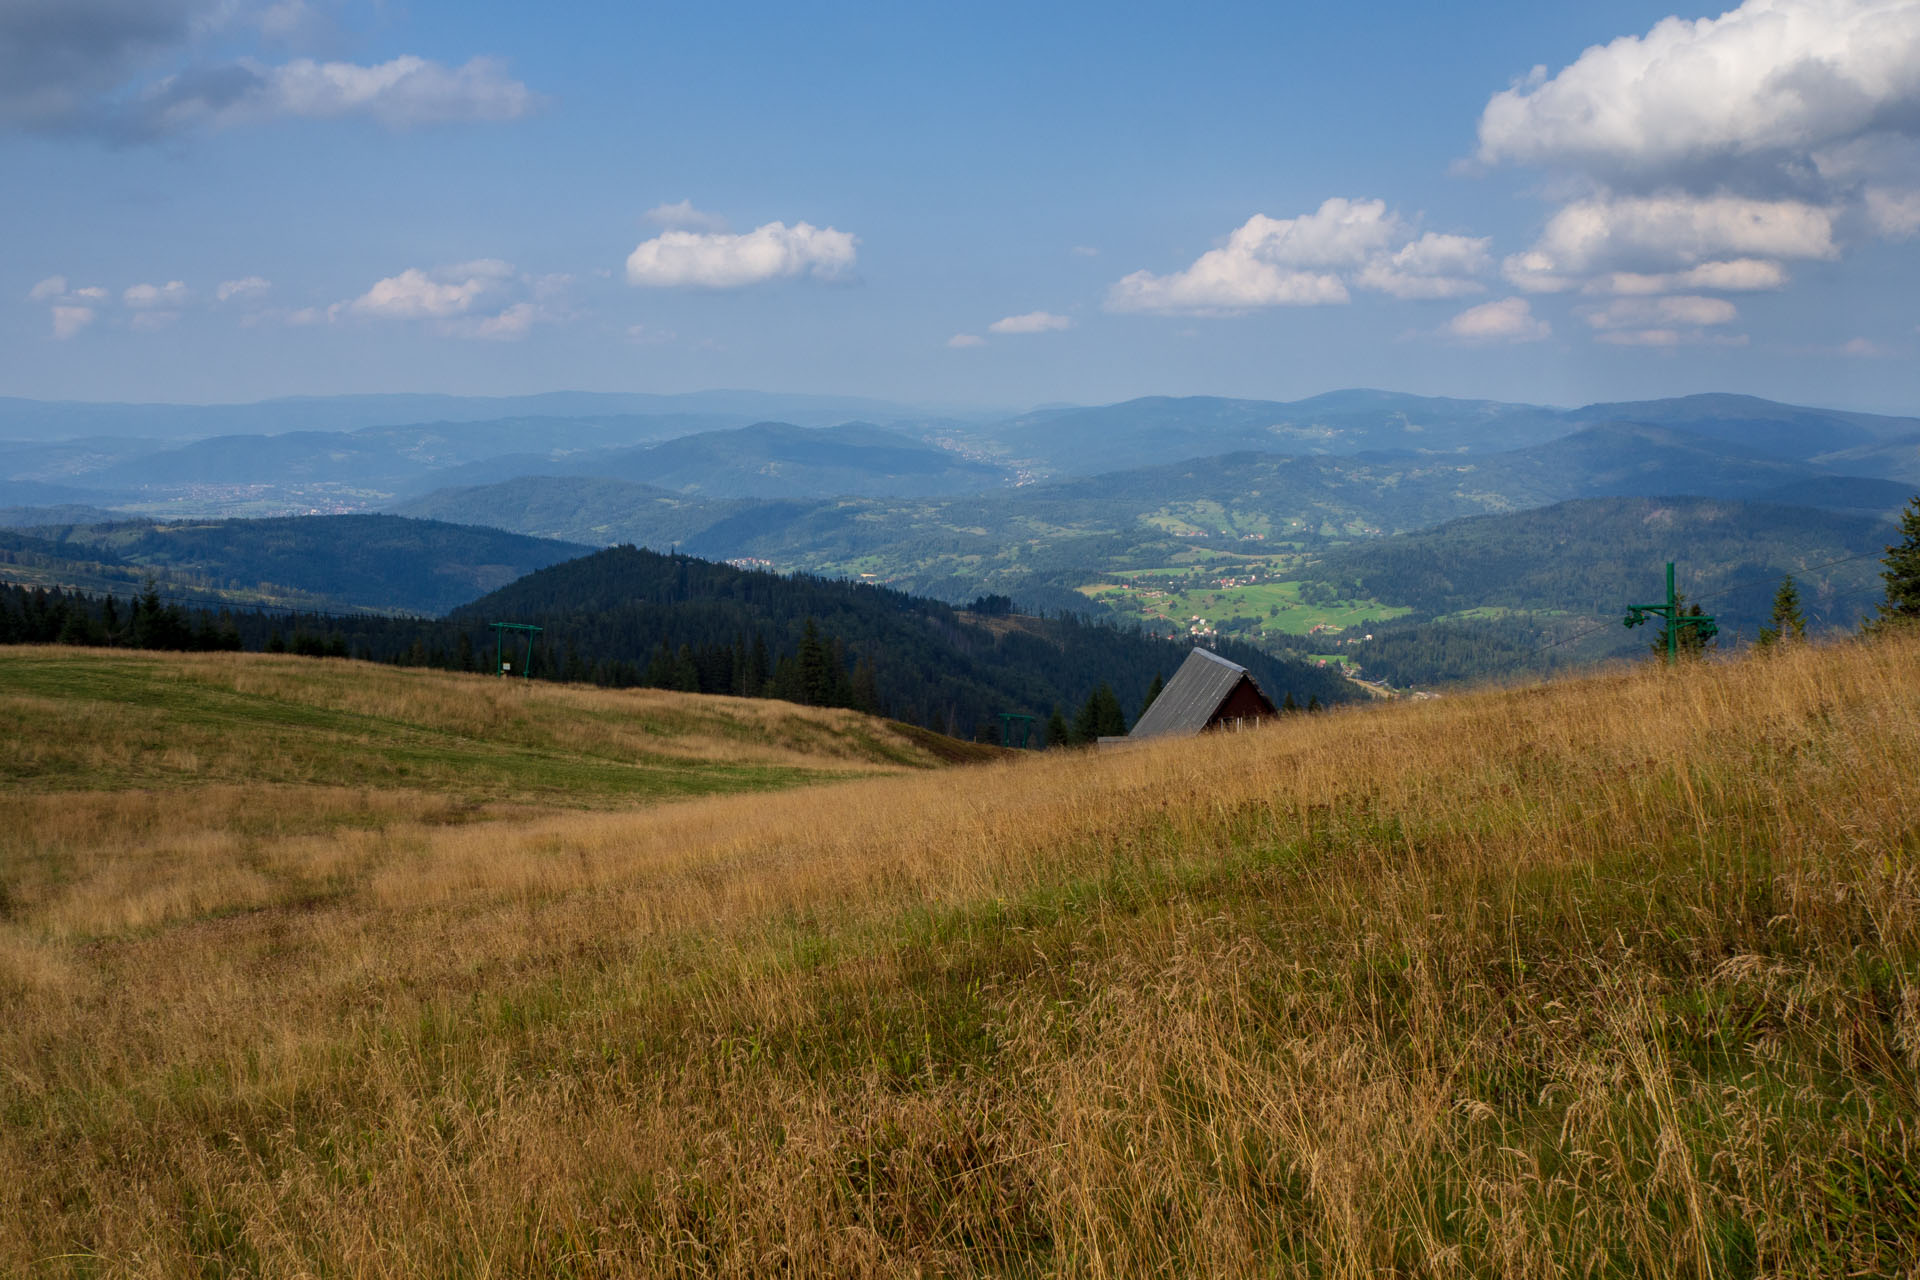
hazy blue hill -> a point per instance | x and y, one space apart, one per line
781 460
1592 555
57 420
1784 430
384 458
596 510
1632 460
1160 429
1534 591
65 514
1897 459
356 562
1039 541
36 493
1862 494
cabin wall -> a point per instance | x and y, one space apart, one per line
1244 703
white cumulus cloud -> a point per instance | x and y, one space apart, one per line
130 71
1647 234
1649 313
1031 322
1434 266
1669 338
1756 90
1738 275
402 93
70 310
508 325
717 260
961 341
1744 137
69 320
1507 320
244 289
1310 261
449 291
1895 214
682 216
465 300
147 296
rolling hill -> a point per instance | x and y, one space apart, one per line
1163 429
1038 542
302 461
930 663
767 460
360 563
22 419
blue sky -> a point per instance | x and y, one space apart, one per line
1001 205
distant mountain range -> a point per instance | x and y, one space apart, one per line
1049 507
51 420
338 564
705 445
1159 429
1041 541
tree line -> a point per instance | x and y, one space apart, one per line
624 618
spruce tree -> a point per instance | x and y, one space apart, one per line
1086 721
1788 623
1691 643
816 675
1902 572
686 672
1153 691
1058 734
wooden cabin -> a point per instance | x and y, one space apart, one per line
1207 692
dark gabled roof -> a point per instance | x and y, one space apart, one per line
1196 691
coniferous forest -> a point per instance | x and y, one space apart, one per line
626 618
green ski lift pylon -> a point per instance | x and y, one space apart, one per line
1008 721
500 664
1702 624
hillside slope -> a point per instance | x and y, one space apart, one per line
1617 977
930 663
1040 542
353 563
87 720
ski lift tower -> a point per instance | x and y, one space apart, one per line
1701 624
1014 724
501 663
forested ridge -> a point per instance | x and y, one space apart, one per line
339 563
625 617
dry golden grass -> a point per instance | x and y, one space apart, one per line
1614 977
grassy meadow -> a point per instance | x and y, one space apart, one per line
308 968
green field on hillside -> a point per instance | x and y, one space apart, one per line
1263 607
95 719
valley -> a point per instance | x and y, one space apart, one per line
1302 553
